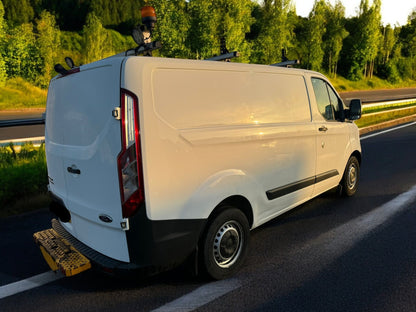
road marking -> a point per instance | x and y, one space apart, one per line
339 240
386 131
336 242
364 224
29 283
201 296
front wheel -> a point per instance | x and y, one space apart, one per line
224 245
351 177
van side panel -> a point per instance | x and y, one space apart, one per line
219 131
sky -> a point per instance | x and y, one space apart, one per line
392 11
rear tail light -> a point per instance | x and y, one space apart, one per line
129 160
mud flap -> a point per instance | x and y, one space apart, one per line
60 254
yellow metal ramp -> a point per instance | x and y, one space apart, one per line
60 254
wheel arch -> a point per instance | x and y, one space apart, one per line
357 155
236 201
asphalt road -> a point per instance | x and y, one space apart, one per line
330 254
379 95
20 132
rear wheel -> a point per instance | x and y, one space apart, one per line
351 177
224 245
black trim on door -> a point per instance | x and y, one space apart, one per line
296 186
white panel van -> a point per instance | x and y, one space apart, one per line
155 160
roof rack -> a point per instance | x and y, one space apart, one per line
286 63
224 57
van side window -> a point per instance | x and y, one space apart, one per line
326 99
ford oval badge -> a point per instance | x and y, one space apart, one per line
105 218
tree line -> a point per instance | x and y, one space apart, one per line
36 34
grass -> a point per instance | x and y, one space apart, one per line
342 84
19 94
372 119
25 205
23 177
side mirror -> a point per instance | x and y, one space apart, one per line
354 111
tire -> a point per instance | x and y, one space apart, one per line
224 244
351 177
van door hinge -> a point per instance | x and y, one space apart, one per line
116 113
125 225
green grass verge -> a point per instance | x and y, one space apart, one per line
342 84
373 119
19 94
23 177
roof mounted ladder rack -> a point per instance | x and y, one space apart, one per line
286 63
224 57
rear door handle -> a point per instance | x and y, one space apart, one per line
323 129
73 170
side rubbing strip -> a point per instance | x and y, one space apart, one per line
290 188
296 186
323 176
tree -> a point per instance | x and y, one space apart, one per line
201 37
172 27
3 72
48 43
95 39
219 23
389 41
334 36
372 36
363 42
408 40
22 54
233 19
276 31
18 12
316 30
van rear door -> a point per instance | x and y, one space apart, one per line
82 143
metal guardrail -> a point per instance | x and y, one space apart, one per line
388 103
35 140
21 122
40 140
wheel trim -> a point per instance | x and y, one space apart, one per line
227 244
352 177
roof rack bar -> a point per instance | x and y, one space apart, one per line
224 57
286 63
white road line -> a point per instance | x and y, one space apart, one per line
32 282
364 224
341 239
200 296
386 131
336 242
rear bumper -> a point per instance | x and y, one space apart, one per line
97 259
154 246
